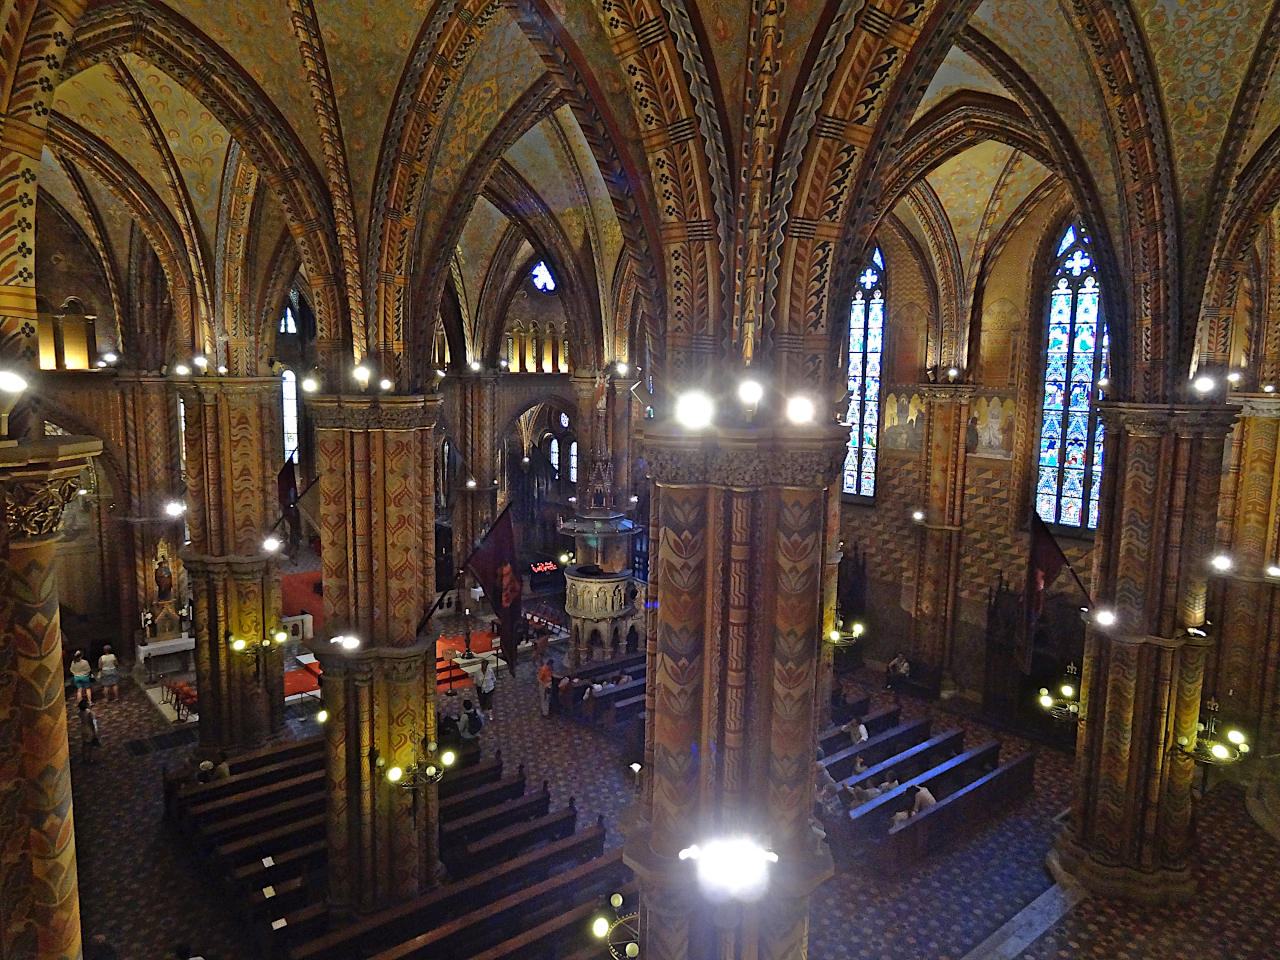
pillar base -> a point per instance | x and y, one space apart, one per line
1071 864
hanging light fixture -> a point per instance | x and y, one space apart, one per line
1063 701
425 768
620 935
1210 746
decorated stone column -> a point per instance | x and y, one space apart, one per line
938 559
1244 671
377 520
476 497
830 600
742 524
233 453
40 906
1131 831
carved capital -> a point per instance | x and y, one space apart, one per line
209 389
39 479
1157 420
945 392
373 412
745 458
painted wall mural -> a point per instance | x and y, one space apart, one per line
904 416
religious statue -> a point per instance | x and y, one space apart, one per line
164 579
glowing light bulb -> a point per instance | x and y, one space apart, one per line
448 758
322 716
475 365
1273 570
238 644
1046 701
953 372
471 483
280 636
384 384
1235 376
750 392
362 374
200 361
858 629
1221 562
1068 690
222 369
175 508
394 774
1105 618
1203 385
182 370
110 357
310 385
1269 388
564 558
271 544
350 643
695 410
1219 751
600 927
800 409
1235 736
622 369
917 516
833 636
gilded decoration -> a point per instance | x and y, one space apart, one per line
34 507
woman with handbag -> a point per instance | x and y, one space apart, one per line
82 677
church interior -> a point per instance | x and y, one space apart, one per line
686 479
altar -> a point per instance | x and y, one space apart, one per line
145 653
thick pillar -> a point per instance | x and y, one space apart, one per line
40 909
620 440
1131 831
830 596
938 560
734 661
1244 670
377 520
477 437
234 452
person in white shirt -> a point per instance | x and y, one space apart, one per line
856 729
484 685
924 799
109 674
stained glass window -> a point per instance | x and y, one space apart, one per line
866 343
1069 475
542 278
553 453
573 461
564 420
289 400
287 322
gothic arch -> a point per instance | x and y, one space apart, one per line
169 42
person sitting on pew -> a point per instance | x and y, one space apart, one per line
222 769
858 765
470 723
924 799
205 773
856 729
898 670
890 782
902 816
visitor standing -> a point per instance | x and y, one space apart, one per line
485 686
109 674
82 677
544 687
88 731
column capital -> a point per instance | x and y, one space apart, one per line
208 389
1265 405
1157 420
375 411
778 456
238 567
39 480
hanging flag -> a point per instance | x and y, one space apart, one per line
494 566
1043 566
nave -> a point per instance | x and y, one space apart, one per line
143 887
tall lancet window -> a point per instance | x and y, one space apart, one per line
289 401
866 343
1069 478
573 461
553 454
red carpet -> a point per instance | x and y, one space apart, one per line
297 594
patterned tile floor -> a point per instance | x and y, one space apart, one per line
139 885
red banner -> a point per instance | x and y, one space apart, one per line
494 566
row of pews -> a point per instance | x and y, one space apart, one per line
969 783
523 879
612 708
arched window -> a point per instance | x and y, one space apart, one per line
542 278
573 461
553 453
1069 478
287 322
289 401
866 342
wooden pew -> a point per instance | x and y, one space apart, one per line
246 824
267 843
878 721
842 713
913 761
512 841
394 924
833 738
870 821
466 828
600 705
458 779
879 747
292 764
464 935
568 931
203 816
910 842
255 875
624 711
482 797
265 756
